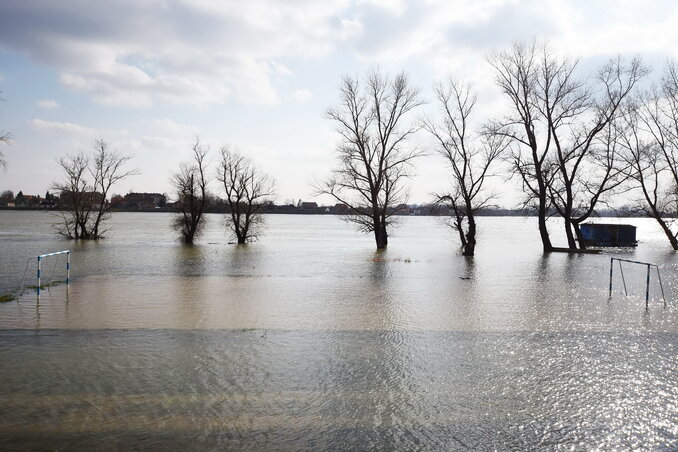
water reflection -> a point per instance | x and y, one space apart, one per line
189 260
299 342
341 390
242 260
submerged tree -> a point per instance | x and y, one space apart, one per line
522 77
247 191
373 156
469 155
658 114
191 188
579 120
557 126
85 188
648 140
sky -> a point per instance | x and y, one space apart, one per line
148 77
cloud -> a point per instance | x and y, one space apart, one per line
439 31
301 95
176 51
59 128
395 7
48 104
172 128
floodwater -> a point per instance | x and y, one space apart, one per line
310 339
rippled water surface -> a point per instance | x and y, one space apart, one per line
310 339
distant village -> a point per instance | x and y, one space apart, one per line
158 202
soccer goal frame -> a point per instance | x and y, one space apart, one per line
647 279
57 253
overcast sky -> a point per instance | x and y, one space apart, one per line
149 76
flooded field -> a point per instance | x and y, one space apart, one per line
310 339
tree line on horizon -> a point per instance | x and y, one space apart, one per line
571 141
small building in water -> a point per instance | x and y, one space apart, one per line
601 234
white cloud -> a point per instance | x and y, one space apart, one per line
350 28
48 104
58 128
439 30
179 52
301 95
396 7
208 51
168 127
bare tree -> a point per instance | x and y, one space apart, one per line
557 125
469 155
373 157
86 185
246 190
579 121
647 137
75 199
525 81
658 114
191 186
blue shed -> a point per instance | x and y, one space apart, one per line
609 234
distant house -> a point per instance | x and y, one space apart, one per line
144 201
340 208
309 205
47 204
27 201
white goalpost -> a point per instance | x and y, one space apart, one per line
58 253
39 271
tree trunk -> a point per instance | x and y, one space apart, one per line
188 236
380 233
470 246
669 234
460 230
571 242
459 225
543 231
